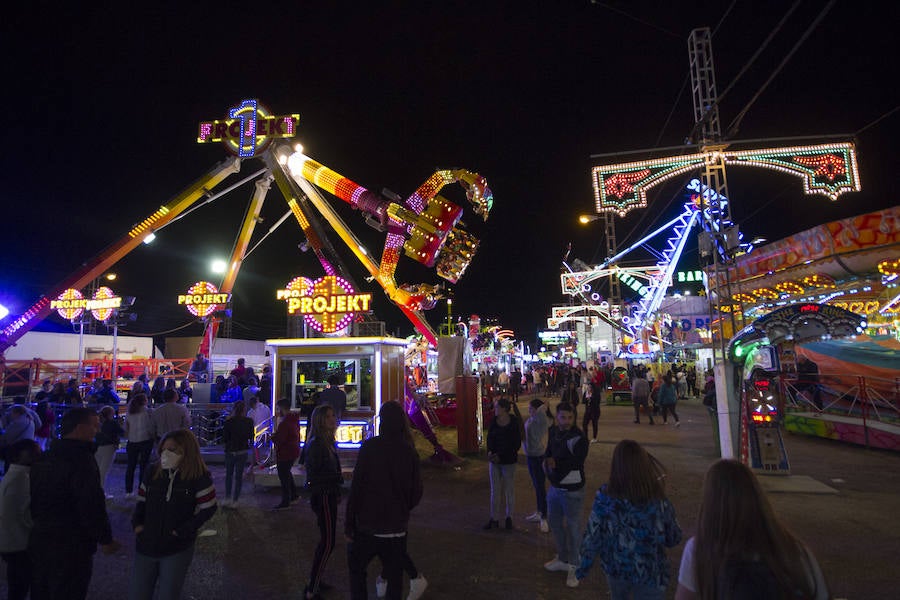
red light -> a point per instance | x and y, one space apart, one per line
809 308
762 385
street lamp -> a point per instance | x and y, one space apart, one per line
585 219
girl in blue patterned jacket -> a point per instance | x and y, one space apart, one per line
631 525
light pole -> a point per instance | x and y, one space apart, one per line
615 290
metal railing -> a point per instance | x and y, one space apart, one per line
844 394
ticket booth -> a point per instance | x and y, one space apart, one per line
371 370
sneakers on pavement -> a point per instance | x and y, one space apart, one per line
508 523
225 502
416 587
556 565
677 423
533 517
571 580
491 524
380 587
545 528
594 441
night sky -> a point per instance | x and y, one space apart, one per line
102 108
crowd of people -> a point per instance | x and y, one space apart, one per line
741 550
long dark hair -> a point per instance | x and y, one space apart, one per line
394 422
635 474
737 523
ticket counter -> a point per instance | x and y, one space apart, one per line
371 370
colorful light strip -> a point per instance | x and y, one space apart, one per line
827 169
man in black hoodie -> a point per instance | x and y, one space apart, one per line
567 448
387 485
68 508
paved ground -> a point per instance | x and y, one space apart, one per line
257 553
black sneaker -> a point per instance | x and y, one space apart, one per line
492 524
508 523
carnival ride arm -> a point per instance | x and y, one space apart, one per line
94 267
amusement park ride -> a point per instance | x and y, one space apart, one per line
827 168
426 226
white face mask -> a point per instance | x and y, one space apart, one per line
169 459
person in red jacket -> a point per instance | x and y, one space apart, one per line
287 451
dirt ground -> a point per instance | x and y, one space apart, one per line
257 553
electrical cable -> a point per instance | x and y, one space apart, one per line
735 124
188 324
879 119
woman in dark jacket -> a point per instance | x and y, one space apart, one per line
175 500
323 479
503 441
237 432
666 398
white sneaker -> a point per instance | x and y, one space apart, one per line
225 502
534 517
571 580
417 587
545 527
556 565
380 587
594 441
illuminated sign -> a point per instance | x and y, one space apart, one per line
203 299
327 304
249 129
695 276
349 434
557 338
71 304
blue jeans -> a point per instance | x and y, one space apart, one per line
564 511
234 471
167 571
621 589
538 480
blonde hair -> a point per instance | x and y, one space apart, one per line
191 465
317 429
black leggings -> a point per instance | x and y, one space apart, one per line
325 507
286 478
138 455
592 416
668 408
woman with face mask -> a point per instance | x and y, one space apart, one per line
175 499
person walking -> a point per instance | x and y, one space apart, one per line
667 397
171 416
15 517
324 481
503 440
287 450
175 499
631 525
591 417
640 397
567 450
237 433
386 486
535 444
139 432
107 442
741 549
68 511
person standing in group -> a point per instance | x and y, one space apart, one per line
567 450
503 440
741 549
237 433
287 450
139 432
259 413
667 397
386 486
640 397
171 416
15 517
199 369
240 371
157 391
334 396
592 399
175 500
631 525
43 433
68 511
535 444
324 480
107 442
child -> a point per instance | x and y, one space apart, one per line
631 525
